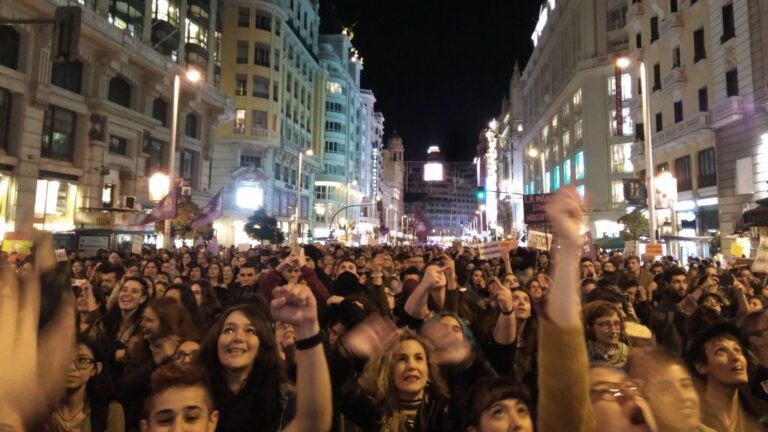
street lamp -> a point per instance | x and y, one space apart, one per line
159 186
623 63
193 76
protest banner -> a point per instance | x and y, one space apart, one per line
489 250
533 209
760 264
539 240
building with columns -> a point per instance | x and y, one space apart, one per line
79 140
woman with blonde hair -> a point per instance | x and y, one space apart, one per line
400 388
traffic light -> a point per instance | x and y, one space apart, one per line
481 194
66 33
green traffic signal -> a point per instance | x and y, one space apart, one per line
481 194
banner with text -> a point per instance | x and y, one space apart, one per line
539 240
533 209
760 264
489 250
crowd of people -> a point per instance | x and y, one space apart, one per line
383 338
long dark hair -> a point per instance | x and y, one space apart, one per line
188 300
268 371
114 316
100 388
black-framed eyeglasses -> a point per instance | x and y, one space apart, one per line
83 363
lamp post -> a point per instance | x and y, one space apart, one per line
192 75
623 63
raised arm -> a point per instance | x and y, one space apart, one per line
296 305
433 280
505 331
564 402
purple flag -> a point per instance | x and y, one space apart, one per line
165 209
421 225
212 211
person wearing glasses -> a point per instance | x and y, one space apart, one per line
187 351
88 403
604 328
574 396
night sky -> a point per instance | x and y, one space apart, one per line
438 68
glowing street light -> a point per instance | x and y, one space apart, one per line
159 186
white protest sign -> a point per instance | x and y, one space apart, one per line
760 264
61 255
137 242
539 240
489 250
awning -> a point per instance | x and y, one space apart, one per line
610 243
757 216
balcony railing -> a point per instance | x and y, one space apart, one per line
238 130
259 132
673 21
675 76
695 123
729 110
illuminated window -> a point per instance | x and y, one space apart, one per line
197 34
166 10
554 124
626 86
627 125
617 191
567 172
579 131
566 142
581 190
621 154
579 162
55 204
239 121
577 98
333 87
547 178
556 178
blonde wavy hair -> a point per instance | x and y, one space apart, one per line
378 383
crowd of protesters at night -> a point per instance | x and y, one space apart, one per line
382 338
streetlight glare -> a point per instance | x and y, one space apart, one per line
623 62
533 152
309 152
194 75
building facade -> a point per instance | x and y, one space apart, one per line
390 201
499 162
342 187
273 74
81 139
739 39
673 42
449 204
572 68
